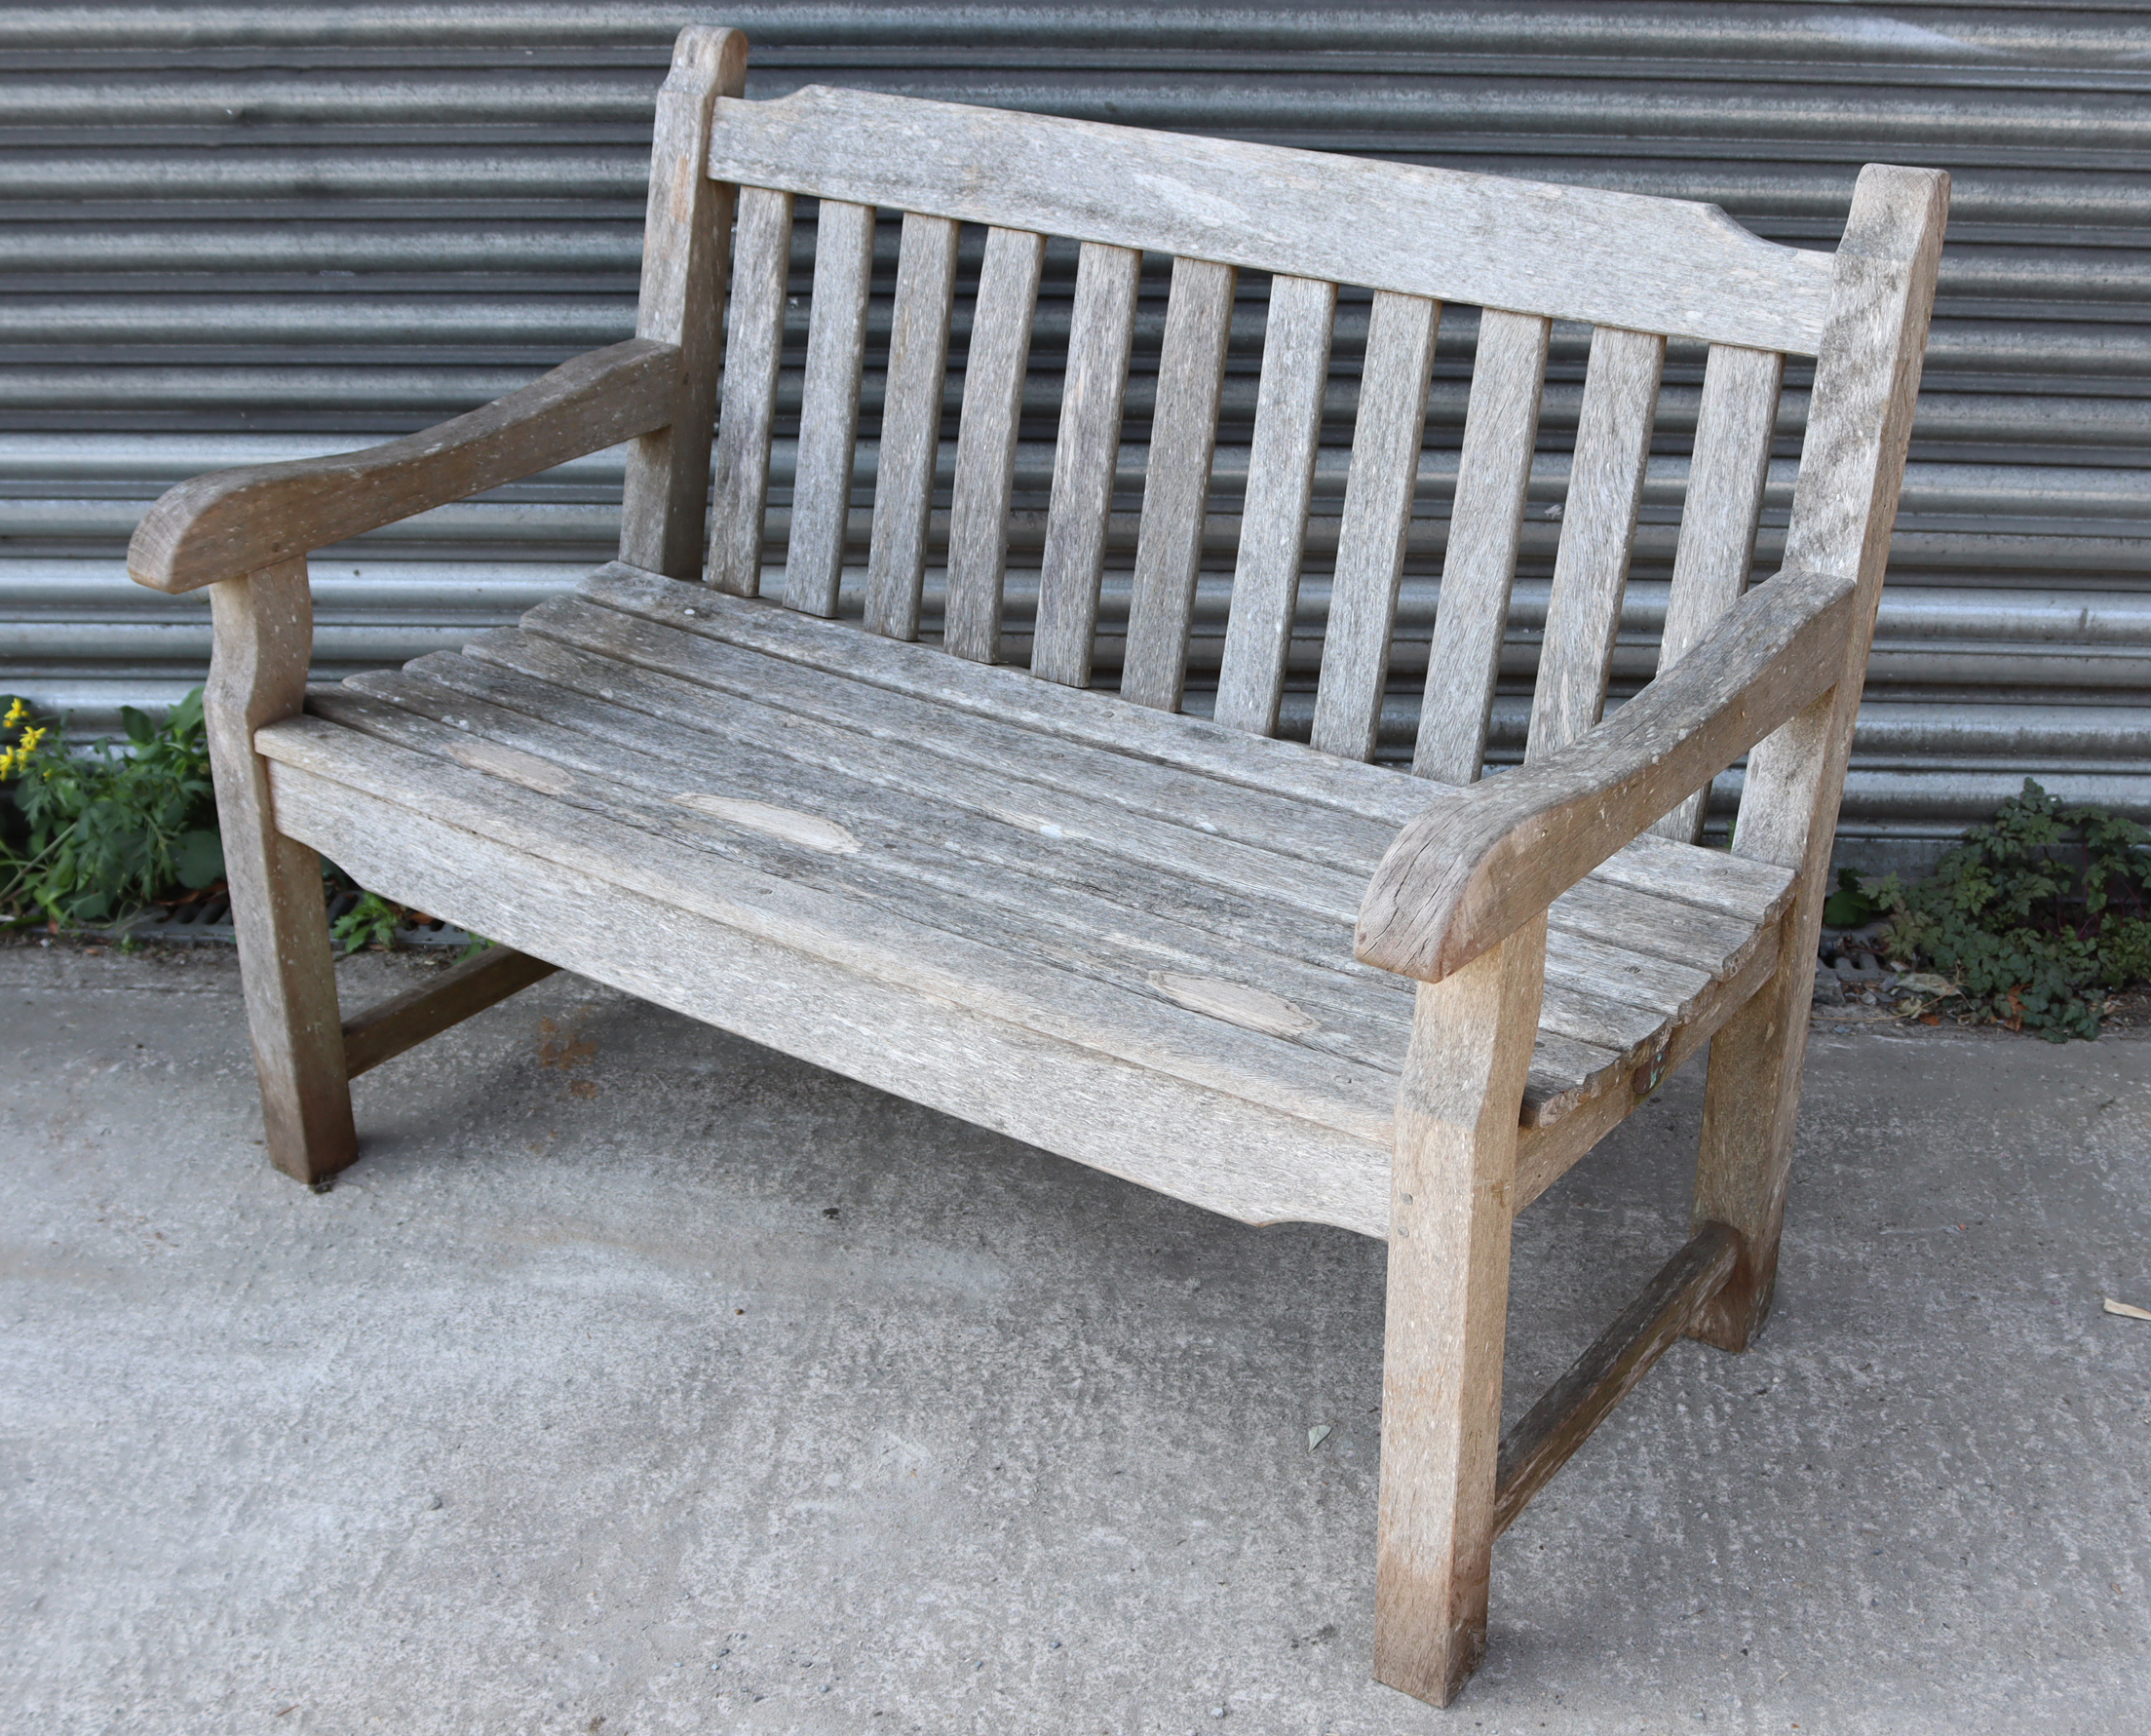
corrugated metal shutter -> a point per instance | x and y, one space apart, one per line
240 233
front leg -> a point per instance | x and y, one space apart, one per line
1451 1207
264 635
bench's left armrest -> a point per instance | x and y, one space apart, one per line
1467 873
235 521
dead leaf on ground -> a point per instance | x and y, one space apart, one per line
1316 1435
2127 1309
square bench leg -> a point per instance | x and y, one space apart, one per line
264 631
1451 1207
1750 1107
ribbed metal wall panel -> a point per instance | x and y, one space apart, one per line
230 234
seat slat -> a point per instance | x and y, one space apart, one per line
747 404
774 689
1086 458
1377 514
1175 499
1605 489
944 866
1717 551
1493 482
910 424
1273 522
985 441
829 405
1231 1119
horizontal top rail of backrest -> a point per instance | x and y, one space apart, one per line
1624 259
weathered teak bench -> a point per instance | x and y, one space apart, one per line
1096 923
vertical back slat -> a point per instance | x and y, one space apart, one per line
1377 514
985 441
747 408
1493 482
910 424
1101 329
829 405
1605 488
1726 477
686 242
1273 521
1176 495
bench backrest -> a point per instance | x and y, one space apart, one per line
1638 270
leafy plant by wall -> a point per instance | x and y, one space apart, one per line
102 832
2036 917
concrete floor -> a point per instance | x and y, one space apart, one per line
642 1380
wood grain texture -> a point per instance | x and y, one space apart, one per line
405 1021
1571 253
1273 522
231 523
902 1007
263 628
1472 870
685 265
829 405
1086 459
1378 495
1176 500
1547 1436
910 424
747 399
1493 482
994 369
1450 1215
1591 570
1726 475
1852 467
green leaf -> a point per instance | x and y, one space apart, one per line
199 859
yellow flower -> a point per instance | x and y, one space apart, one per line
16 714
7 765
31 738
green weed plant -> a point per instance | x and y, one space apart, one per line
103 831
2036 917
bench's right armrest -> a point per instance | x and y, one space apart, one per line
235 521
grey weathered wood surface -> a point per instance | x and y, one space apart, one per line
685 270
405 1021
232 522
829 405
1493 482
1469 872
1086 458
1718 520
1860 420
1591 570
1573 253
994 369
1090 847
746 401
1121 934
910 424
1447 1315
1273 522
1377 513
263 627
1183 436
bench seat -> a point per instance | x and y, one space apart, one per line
964 861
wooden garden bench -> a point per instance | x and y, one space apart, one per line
1091 921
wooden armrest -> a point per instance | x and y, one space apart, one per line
1467 873
235 521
